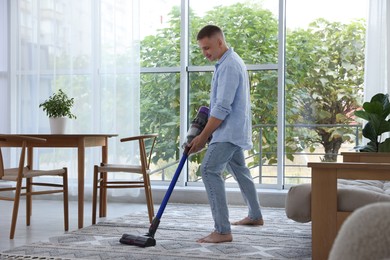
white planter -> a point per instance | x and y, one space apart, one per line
58 125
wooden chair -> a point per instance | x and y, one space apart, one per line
102 182
24 172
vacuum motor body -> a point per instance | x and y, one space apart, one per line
197 124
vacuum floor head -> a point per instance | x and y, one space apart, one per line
141 241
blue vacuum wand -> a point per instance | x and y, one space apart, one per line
148 239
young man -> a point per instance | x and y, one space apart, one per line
230 126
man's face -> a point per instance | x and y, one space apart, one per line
211 47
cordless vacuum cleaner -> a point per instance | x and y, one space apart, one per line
147 240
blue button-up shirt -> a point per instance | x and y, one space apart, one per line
230 101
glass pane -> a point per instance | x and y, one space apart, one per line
160 113
264 96
262 158
199 90
119 36
324 81
64 41
251 28
119 109
160 33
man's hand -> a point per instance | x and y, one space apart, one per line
197 144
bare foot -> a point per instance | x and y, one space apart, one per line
250 222
215 237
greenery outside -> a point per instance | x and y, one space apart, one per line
323 85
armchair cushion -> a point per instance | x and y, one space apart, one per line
298 203
351 194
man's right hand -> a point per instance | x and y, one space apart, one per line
197 144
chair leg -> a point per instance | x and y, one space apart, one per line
102 193
66 201
149 198
94 193
16 208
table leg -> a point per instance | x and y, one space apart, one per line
30 161
81 166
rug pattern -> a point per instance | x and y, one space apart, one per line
180 227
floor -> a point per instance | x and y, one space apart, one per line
47 220
47 217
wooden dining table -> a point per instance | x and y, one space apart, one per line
79 141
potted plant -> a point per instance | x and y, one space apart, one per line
376 113
57 108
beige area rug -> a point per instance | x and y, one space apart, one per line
181 225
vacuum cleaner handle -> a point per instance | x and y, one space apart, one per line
196 128
156 220
172 184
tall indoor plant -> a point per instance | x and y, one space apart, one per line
376 113
58 109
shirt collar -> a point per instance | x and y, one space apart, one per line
227 53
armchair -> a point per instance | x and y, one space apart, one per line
337 189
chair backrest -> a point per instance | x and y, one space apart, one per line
148 156
145 156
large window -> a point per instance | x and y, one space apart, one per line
134 66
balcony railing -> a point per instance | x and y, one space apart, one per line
264 170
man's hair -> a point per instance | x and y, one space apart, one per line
209 31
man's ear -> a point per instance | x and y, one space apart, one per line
220 42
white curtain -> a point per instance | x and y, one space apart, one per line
377 60
4 91
89 49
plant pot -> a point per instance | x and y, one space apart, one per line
57 125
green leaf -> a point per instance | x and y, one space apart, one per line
362 114
384 146
373 107
369 132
